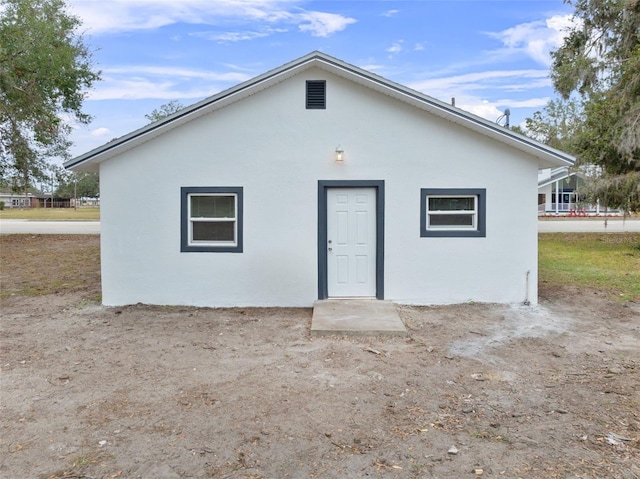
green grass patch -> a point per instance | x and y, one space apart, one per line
52 214
608 262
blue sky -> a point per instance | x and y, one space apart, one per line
488 54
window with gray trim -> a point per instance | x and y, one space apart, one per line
211 219
453 212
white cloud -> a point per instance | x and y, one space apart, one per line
116 16
492 110
137 82
136 88
396 47
321 24
472 89
418 47
390 13
482 108
372 67
176 72
100 132
230 36
528 103
495 79
535 39
244 68
109 16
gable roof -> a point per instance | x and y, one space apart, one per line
547 156
558 174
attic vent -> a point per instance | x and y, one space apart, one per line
316 95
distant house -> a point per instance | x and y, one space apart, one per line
48 201
85 202
18 200
558 190
559 193
319 180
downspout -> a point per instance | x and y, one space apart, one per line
526 294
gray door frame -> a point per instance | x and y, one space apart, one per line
323 186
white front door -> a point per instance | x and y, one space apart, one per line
351 242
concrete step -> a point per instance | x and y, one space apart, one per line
356 317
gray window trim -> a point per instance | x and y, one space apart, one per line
185 191
479 232
323 186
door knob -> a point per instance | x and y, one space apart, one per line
330 249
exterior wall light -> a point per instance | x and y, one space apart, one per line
339 154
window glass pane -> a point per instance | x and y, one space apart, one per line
213 207
451 204
451 220
214 231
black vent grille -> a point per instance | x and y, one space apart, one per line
316 95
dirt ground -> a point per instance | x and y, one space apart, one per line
476 390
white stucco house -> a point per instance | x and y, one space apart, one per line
559 192
318 180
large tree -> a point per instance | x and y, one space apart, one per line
164 111
557 125
45 71
77 185
600 62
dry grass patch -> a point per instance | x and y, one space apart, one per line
47 264
51 214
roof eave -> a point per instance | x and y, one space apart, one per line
145 133
547 156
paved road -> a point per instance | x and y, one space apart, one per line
589 226
93 227
49 227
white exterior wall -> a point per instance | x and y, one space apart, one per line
277 151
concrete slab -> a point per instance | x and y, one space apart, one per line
356 317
